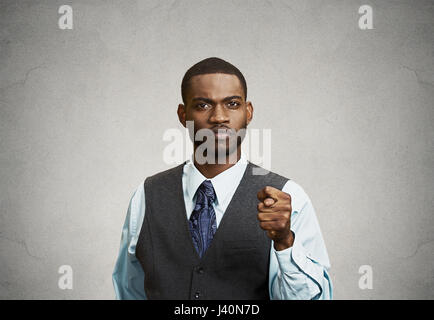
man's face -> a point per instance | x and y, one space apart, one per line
216 101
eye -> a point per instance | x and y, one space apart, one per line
202 106
233 104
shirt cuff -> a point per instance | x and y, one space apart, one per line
285 261
304 261
295 259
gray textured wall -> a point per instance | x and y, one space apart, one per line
83 112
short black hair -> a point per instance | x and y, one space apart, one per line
211 65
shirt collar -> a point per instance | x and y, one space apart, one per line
220 182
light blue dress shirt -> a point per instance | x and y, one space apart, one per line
298 272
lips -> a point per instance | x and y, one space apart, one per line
222 132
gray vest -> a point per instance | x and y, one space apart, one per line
236 264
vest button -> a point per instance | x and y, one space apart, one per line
200 270
197 295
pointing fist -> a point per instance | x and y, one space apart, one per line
274 215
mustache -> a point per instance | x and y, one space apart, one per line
225 129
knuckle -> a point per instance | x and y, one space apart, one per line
264 225
286 196
285 215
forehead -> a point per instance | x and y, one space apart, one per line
215 86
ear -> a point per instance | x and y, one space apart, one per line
181 114
249 108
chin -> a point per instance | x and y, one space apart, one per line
222 148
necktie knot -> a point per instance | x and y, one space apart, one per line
205 193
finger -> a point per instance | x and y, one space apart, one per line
263 208
268 192
285 206
276 225
280 218
265 216
269 202
267 225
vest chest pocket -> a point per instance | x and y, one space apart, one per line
240 253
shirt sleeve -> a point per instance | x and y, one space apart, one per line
128 276
301 271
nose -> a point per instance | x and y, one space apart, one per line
219 115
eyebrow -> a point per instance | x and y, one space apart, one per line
211 101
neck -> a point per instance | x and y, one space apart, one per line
210 170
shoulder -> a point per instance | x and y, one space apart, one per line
139 191
265 176
137 203
160 177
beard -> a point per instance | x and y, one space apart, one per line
221 150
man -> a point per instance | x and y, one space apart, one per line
215 229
